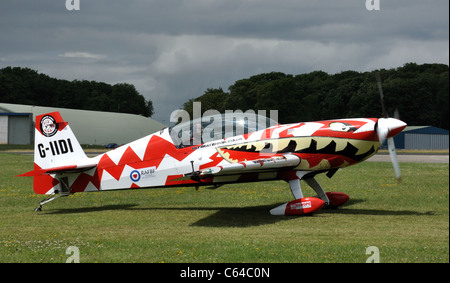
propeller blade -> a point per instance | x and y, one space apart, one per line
382 130
393 154
387 128
380 90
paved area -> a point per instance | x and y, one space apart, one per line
416 158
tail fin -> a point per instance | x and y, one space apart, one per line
56 150
55 144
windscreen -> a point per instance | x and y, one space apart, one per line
217 127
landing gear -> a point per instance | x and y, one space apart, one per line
318 189
309 205
49 199
65 191
336 199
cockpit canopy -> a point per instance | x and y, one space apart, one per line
217 127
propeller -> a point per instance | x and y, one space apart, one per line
386 129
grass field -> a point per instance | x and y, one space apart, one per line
407 222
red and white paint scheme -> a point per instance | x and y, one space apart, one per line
172 157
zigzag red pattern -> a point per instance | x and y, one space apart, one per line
157 149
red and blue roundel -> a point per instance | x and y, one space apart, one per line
135 176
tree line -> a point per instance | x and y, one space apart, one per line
419 94
27 86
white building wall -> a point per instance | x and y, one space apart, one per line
3 129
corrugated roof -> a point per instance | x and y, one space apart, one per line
96 127
425 130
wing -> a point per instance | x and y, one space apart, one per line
272 163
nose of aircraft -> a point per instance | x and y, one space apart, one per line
394 126
389 127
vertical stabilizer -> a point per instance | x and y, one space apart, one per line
56 150
55 144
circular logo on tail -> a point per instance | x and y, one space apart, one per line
49 127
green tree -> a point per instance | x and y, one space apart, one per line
213 98
27 86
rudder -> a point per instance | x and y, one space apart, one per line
56 149
55 144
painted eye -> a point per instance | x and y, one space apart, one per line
339 127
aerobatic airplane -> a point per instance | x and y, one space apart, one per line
178 156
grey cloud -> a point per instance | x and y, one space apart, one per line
173 50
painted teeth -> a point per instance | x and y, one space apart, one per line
355 149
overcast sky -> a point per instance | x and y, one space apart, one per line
173 50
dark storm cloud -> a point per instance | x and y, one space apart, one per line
174 50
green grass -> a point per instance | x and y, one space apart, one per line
408 222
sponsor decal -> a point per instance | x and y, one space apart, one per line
306 204
48 126
302 205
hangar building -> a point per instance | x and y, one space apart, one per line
422 137
90 127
